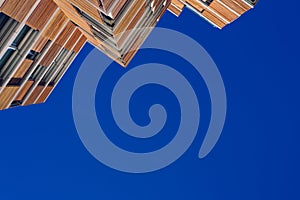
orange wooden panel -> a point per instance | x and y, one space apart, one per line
55 25
79 44
211 17
86 7
223 11
40 44
45 94
73 15
34 95
17 9
235 6
7 95
41 14
72 41
63 37
23 68
195 4
175 10
50 55
243 4
24 90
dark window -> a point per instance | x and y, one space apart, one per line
21 35
15 104
32 55
55 66
3 19
63 68
16 51
37 73
7 27
6 57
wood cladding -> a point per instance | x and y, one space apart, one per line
72 14
45 94
6 95
50 55
62 27
23 68
41 13
65 34
40 44
76 35
55 26
86 7
36 92
17 9
59 33
218 12
24 90
176 7
80 43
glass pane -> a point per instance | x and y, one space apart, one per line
3 20
5 57
21 35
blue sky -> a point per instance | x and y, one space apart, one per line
257 156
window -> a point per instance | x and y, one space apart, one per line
15 104
62 69
207 2
3 61
21 35
32 55
7 27
37 73
55 66
3 19
14 53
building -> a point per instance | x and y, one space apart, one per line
37 44
40 38
115 26
218 12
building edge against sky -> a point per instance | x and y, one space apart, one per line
39 39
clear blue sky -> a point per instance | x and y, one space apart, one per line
257 157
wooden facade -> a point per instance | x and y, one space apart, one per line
41 33
39 39
218 12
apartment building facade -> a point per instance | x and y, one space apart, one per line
217 12
39 39
37 44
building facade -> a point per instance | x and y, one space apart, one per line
39 39
218 12
37 44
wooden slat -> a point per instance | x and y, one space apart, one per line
235 6
72 14
79 44
24 90
7 95
223 11
87 8
50 55
45 94
41 14
211 17
40 44
34 95
175 10
55 26
62 38
17 9
23 68
76 35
